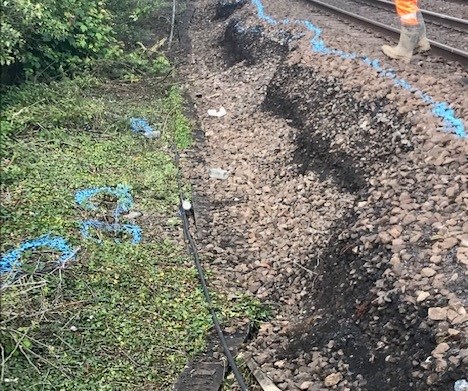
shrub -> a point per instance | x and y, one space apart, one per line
52 37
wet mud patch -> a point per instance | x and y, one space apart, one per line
339 136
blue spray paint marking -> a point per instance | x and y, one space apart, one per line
10 261
121 192
131 229
440 109
141 125
124 203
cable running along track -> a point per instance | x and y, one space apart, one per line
438 48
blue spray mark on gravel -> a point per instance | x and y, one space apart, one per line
10 261
439 109
130 229
121 192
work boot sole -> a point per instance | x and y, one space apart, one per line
390 52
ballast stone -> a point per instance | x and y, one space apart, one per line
437 313
333 379
460 385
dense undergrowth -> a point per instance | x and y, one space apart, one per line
47 38
116 315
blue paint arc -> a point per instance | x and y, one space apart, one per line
121 192
11 260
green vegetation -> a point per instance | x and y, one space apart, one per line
118 316
136 310
121 316
53 38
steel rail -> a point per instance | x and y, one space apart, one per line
443 19
437 48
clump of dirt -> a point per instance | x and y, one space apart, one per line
252 43
225 8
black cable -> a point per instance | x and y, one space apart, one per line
201 275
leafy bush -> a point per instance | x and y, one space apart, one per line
52 37
130 15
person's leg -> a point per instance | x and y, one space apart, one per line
407 10
423 43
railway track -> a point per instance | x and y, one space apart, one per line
435 17
438 48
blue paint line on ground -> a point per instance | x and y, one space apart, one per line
130 229
11 260
441 110
121 192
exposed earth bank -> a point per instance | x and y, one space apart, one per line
345 207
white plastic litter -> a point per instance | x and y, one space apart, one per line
461 385
186 205
217 113
218 173
154 134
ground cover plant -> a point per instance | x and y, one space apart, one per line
115 315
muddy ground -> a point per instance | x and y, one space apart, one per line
345 208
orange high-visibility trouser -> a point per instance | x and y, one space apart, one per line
407 10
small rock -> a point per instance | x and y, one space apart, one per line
218 173
306 385
441 348
447 244
460 319
279 364
422 296
463 240
461 385
132 215
437 313
333 379
428 272
261 359
441 365
454 360
432 378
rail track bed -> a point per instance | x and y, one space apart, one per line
344 198
448 34
457 8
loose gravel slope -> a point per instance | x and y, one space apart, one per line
346 204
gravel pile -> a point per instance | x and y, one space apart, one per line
345 208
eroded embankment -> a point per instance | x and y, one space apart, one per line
339 211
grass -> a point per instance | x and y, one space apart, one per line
118 316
